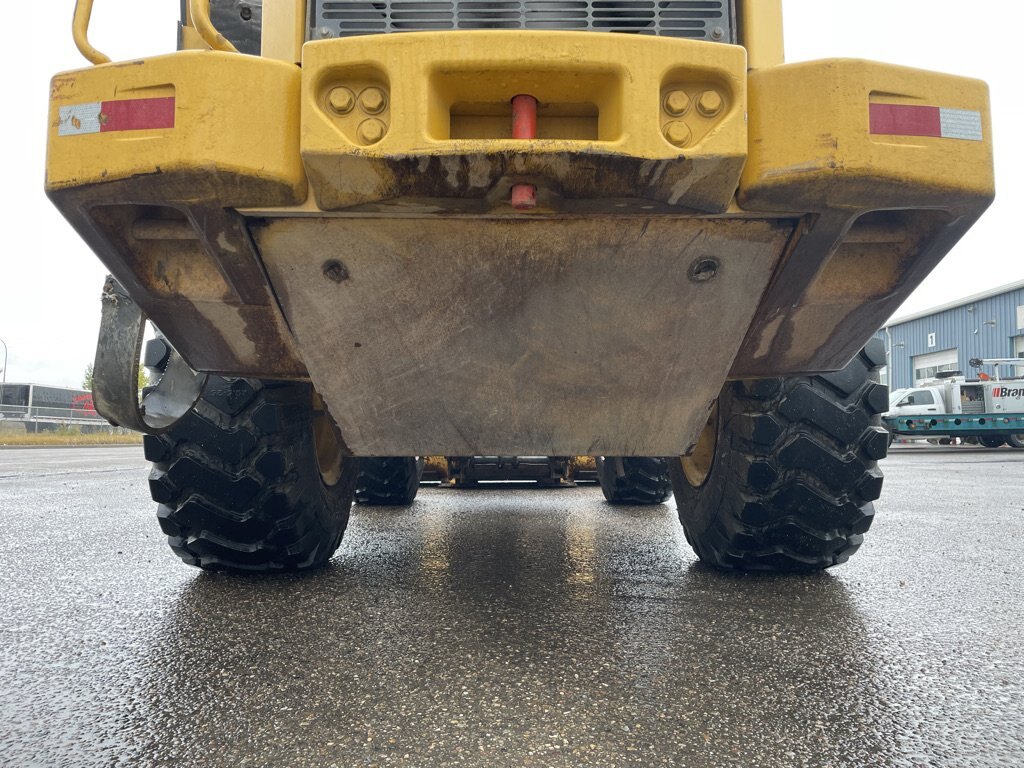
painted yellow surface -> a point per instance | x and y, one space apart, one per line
601 98
284 29
409 127
191 40
761 32
811 147
613 81
224 124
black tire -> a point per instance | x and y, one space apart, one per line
789 470
388 481
1015 441
240 482
992 441
633 479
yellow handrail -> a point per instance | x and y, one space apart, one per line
80 29
200 12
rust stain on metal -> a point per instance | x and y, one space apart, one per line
60 84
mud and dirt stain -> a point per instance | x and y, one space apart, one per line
480 182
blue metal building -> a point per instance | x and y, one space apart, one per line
986 325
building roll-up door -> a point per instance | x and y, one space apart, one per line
926 366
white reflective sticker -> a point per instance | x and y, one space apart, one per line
80 118
960 124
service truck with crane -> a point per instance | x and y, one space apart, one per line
988 409
613 228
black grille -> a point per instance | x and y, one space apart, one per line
697 19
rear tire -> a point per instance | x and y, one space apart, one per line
252 479
1015 441
784 475
633 479
991 441
388 481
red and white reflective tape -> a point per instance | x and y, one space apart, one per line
112 116
917 120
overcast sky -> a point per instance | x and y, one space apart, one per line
50 282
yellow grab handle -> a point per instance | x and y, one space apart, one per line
200 12
80 29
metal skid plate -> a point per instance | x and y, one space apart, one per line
553 337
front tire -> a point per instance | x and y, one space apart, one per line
634 479
784 475
388 481
252 479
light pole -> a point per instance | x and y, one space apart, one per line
3 381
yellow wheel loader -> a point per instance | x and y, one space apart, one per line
557 228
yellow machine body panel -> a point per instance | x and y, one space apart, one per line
429 115
241 125
821 137
695 216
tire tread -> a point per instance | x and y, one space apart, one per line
643 480
388 481
798 472
238 485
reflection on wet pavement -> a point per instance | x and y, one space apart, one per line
501 629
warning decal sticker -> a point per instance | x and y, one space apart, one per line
916 120
112 116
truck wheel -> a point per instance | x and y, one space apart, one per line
783 475
1015 441
252 479
634 480
388 481
991 441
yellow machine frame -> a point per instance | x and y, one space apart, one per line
702 139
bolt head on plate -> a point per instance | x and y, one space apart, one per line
678 133
371 131
704 269
341 100
710 103
677 103
373 101
335 271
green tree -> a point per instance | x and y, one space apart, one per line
87 378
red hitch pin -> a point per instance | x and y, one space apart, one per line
524 126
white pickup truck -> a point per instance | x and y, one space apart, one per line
990 410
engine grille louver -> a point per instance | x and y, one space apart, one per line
696 19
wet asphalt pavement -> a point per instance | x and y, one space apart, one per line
510 628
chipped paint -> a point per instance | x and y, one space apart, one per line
225 244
